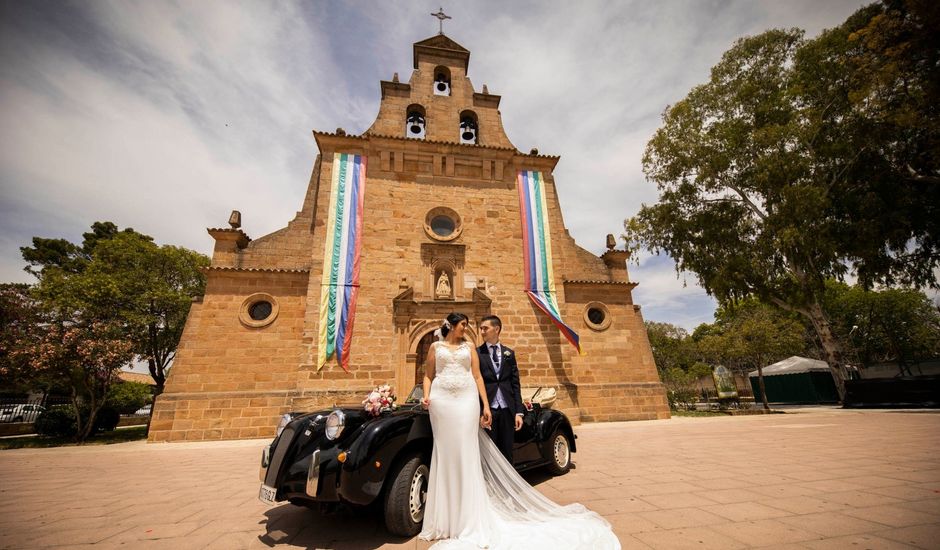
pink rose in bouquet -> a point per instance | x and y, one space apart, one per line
379 400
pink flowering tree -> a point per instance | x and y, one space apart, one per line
88 355
122 277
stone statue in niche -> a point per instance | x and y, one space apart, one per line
443 286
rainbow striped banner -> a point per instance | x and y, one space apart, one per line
340 282
537 255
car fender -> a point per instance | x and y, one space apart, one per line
549 421
374 452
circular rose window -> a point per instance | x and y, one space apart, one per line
442 224
258 310
597 316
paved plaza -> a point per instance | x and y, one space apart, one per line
815 478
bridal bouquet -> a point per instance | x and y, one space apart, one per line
381 399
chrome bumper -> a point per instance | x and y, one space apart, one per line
265 462
313 474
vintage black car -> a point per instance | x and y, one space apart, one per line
347 456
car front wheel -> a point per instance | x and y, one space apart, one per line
406 497
560 453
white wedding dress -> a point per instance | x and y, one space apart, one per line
475 497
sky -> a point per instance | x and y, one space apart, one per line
166 116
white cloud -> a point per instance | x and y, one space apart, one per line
668 297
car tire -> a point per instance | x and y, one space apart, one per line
406 496
559 453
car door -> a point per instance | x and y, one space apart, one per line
524 447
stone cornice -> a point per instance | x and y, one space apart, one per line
599 283
486 100
465 146
390 88
444 46
239 237
333 141
255 270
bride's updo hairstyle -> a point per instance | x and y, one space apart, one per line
451 322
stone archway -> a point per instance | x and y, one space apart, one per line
416 319
421 355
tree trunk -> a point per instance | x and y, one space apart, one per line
158 374
830 344
760 384
77 409
89 428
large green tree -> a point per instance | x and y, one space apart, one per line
123 277
672 346
895 325
802 160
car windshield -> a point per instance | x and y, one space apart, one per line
416 394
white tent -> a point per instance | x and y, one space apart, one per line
793 365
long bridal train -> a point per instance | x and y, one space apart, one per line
476 499
516 516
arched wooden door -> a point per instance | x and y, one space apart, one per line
422 356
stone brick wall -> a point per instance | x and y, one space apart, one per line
228 380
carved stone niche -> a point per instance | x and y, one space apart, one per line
408 311
444 266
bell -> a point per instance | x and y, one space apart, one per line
441 86
467 135
415 129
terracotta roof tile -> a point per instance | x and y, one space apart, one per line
129 376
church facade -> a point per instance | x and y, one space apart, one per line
439 230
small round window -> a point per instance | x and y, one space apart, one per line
442 224
597 316
258 310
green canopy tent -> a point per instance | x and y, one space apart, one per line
797 380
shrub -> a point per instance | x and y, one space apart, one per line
107 419
57 421
127 397
680 388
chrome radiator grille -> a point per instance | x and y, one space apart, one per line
277 457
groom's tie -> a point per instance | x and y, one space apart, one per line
495 359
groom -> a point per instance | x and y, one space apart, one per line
501 378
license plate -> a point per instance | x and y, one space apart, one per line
266 494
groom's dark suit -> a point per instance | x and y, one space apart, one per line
507 381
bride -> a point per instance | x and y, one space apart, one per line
475 497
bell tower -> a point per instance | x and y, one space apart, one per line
439 102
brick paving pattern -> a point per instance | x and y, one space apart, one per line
821 478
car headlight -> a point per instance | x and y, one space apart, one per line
335 424
285 420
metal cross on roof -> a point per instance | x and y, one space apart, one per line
441 16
